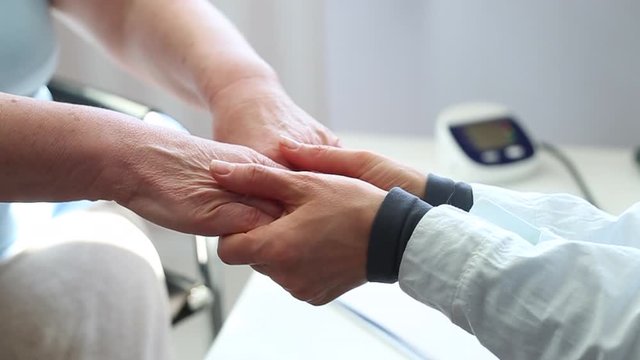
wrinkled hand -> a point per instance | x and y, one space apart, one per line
167 181
255 115
364 165
318 250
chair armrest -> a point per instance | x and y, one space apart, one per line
70 92
74 93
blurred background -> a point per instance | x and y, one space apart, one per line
570 70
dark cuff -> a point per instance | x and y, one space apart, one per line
392 228
441 190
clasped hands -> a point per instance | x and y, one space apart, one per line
307 230
316 249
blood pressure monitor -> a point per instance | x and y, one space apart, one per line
483 142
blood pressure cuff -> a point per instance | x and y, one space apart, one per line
398 217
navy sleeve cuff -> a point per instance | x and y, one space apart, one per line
441 191
392 228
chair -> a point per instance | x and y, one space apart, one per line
186 296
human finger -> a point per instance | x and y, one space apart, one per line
232 218
329 138
268 207
327 159
249 248
238 249
256 180
375 169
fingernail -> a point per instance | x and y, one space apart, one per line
221 167
289 142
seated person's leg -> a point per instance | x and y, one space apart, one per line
89 287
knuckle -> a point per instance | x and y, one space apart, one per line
320 151
256 173
364 157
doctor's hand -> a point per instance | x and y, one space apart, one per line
318 249
254 113
165 178
364 165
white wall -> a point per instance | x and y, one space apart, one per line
571 69
289 35
375 64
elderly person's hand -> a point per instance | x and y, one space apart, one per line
90 153
194 51
318 249
255 112
165 178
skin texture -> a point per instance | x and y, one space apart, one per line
255 116
317 249
59 152
174 188
360 164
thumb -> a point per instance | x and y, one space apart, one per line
256 180
232 218
327 159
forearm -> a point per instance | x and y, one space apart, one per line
555 300
536 216
187 46
57 152
562 214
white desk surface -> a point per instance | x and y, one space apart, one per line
267 323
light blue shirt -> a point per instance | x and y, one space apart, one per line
27 46
28 55
6 228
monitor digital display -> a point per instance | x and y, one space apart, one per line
491 135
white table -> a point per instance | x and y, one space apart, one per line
267 323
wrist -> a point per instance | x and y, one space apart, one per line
118 158
258 91
250 104
217 90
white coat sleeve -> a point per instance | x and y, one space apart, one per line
557 299
561 215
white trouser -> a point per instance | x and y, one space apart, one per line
88 286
